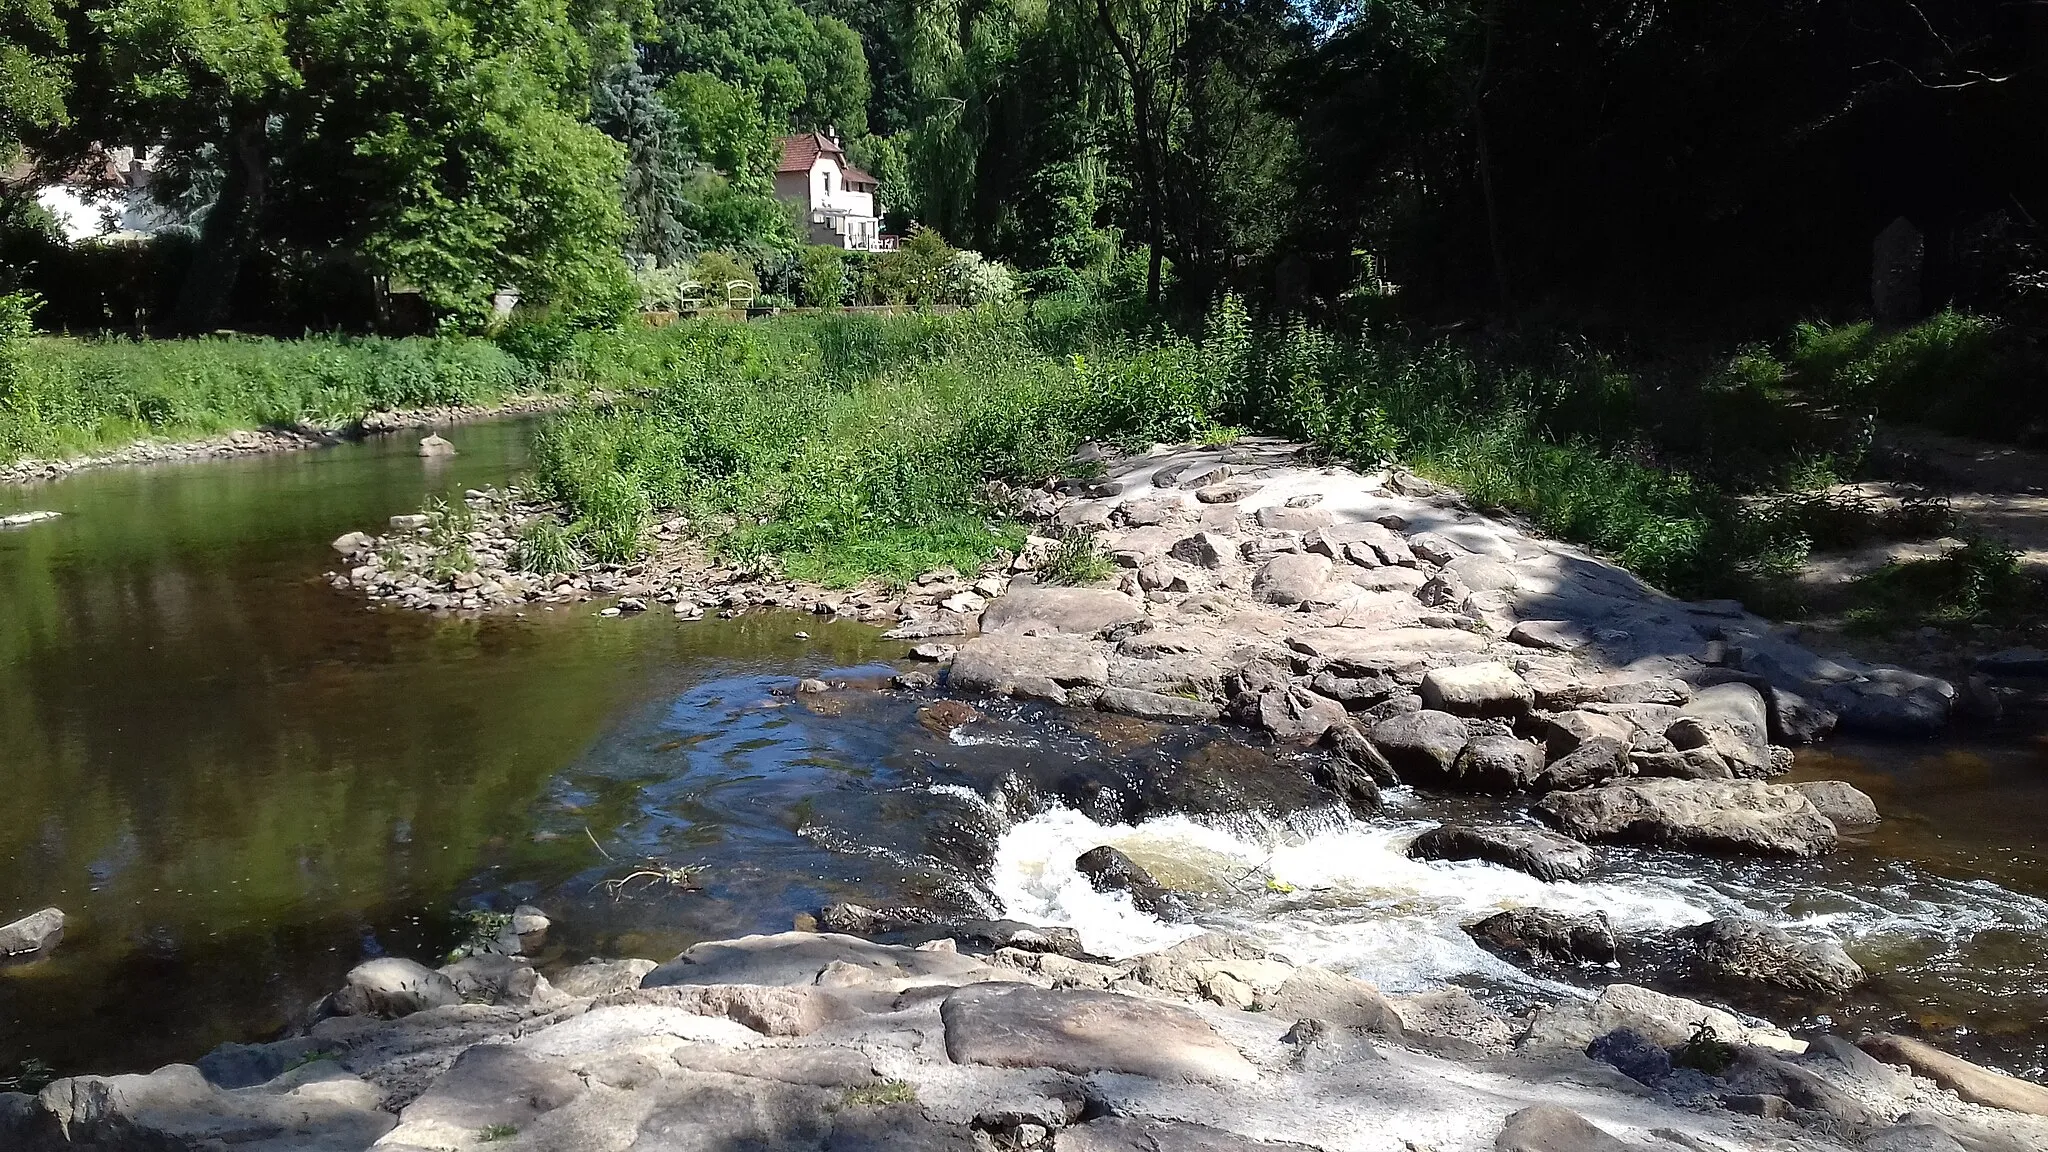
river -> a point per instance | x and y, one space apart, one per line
239 782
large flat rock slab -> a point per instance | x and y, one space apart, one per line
1028 665
799 958
1083 1032
1121 1134
1047 609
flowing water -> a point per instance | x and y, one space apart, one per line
239 783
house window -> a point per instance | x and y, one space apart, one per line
828 181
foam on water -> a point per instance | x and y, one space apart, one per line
1344 895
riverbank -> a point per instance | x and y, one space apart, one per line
259 441
824 1041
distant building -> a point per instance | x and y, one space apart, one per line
107 199
838 199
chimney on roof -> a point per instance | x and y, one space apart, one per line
832 133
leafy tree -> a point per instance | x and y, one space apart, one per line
440 139
721 125
34 72
805 73
836 81
658 163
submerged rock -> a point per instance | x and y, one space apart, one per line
32 933
24 519
434 445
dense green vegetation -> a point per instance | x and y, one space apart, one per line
859 446
63 396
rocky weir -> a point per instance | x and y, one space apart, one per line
1405 644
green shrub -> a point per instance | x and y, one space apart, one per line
1076 560
824 277
545 548
1975 582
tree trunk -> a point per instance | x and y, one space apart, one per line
1494 242
229 232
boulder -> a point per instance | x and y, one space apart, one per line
1594 761
1280 518
1497 764
1320 994
1355 787
1025 665
1565 731
1538 934
1756 955
1156 705
1422 746
1740 743
1032 608
1843 803
1010 1026
1691 764
1973 1083
1760 1073
434 445
1487 689
1893 702
32 933
1736 816
1355 691
1550 1128
1210 550
1297 715
319 1109
1350 747
391 987
594 978
1109 870
1544 855
1291 578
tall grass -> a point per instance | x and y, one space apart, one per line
862 446
60 396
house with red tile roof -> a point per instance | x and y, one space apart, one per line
838 199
